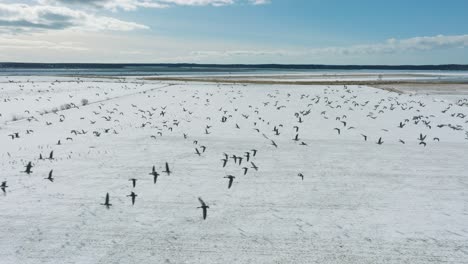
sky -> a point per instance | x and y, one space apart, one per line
235 31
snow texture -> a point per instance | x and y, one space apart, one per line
358 201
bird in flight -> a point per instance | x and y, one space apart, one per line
4 186
231 179
380 142
301 175
133 195
50 178
133 182
203 206
106 203
168 171
28 168
155 175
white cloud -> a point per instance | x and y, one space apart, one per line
388 47
400 45
24 17
259 2
26 44
129 5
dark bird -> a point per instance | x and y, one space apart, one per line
421 137
168 171
247 156
365 137
4 186
133 182
231 179
254 166
274 144
254 152
245 170
106 203
296 138
401 141
436 138
203 206
51 155
422 143
203 148
380 142
301 175
28 168
337 129
50 178
133 195
197 152
224 162
155 175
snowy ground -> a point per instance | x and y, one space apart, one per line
359 202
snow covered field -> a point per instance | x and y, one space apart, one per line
318 188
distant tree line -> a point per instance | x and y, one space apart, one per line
445 67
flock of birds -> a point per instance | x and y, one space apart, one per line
334 106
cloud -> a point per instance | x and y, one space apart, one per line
24 17
26 44
130 5
388 47
114 5
400 45
259 2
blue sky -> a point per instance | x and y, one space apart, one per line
235 31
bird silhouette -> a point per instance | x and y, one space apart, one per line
380 142
133 182
51 155
254 152
364 136
168 171
28 168
231 179
421 137
197 152
4 186
155 174
296 138
50 178
301 175
337 129
133 195
245 170
254 166
107 203
224 162
273 143
247 156
204 207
